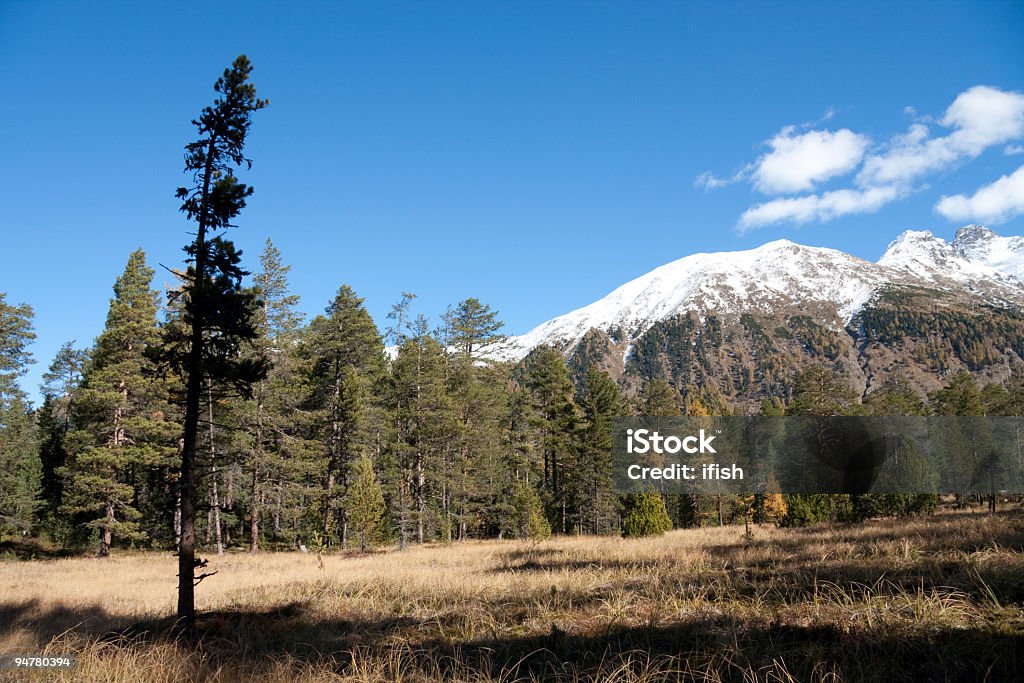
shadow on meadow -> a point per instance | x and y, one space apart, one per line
919 600
250 641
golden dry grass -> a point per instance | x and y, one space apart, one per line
936 598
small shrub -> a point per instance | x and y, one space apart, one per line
528 515
646 516
807 509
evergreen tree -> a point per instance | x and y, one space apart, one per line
522 470
768 507
658 399
905 466
646 516
553 418
474 327
819 391
960 396
346 361
894 398
400 313
19 464
528 519
276 457
475 478
595 507
425 423
218 315
60 384
120 426
364 502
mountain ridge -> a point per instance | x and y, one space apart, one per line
978 265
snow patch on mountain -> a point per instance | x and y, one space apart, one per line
978 244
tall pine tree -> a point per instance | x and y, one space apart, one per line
218 315
19 466
274 452
553 419
345 358
595 508
120 415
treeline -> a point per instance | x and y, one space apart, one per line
345 442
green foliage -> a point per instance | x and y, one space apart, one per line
979 338
594 507
528 520
658 399
277 459
218 316
15 336
425 421
121 428
807 509
364 505
819 391
867 506
19 466
816 339
646 516
552 418
59 387
960 396
345 359
894 398
685 509
474 327
591 351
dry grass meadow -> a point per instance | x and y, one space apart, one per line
930 599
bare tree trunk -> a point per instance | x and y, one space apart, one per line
214 501
105 533
229 504
277 508
328 508
256 503
254 520
421 505
177 521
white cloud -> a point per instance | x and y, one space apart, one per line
814 207
798 162
979 117
709 181
997 202
801 158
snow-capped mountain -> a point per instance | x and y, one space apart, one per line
831 284
977 257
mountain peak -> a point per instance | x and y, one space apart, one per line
973 233
981 246
919 252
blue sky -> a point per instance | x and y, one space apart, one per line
533 155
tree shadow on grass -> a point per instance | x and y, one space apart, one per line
254 641
31 549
